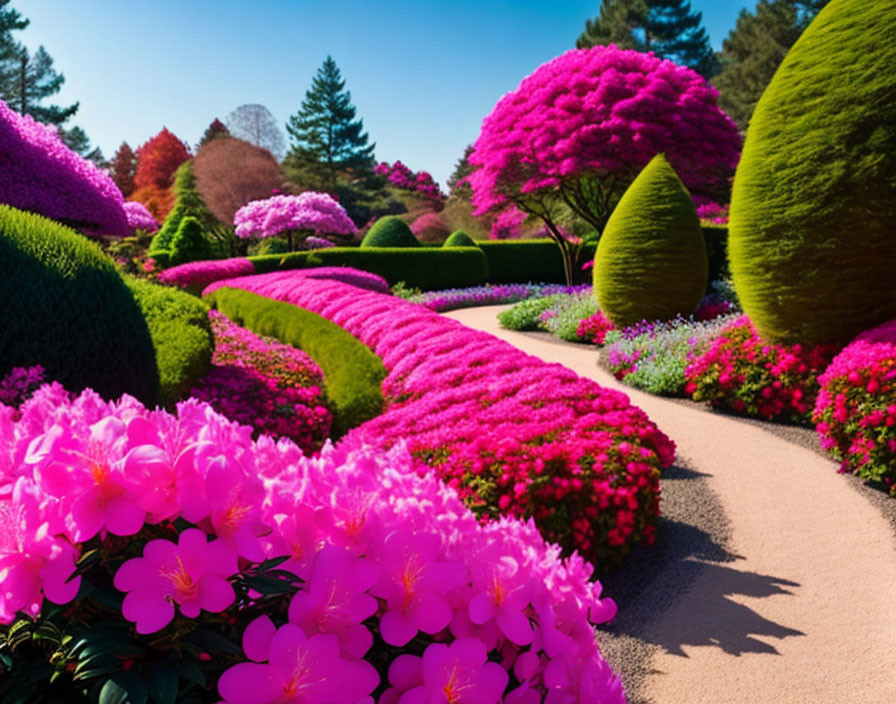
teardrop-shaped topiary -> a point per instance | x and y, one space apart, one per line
189 243
459 238
390 231
651 259
812 231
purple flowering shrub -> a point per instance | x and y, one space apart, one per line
487 295
145 551
260 382
42 175
742 373
513 435
195 276
855 413
139 217
309 213
713 213
19 383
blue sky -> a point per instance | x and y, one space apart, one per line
422 74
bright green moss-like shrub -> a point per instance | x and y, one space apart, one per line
651 259
459 238
66 308
390 231
187 203
181 335
189 244
813 211
353 374
426 268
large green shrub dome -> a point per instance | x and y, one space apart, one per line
459 238
651 261
66 308
390 231
812 240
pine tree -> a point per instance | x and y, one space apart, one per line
462 169
32 79
671 29
10 21
326 137
124 166
755 48
213 131
77 140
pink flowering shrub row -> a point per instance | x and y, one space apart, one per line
513 435
402 177
42 175
191 558
195 276
260 382
855 413
139 217
739 372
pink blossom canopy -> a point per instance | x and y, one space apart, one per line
38 173
139 217
599 113
317 212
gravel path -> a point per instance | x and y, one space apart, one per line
773 578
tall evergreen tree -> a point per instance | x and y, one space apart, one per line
32 79
326 137
671 29
755 48
10 21
77 140
213 131
124 167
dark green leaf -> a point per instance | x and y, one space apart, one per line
161 680
113 693
132 684
211 641
189 670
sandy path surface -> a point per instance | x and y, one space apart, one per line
798 605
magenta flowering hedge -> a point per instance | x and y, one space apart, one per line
855 413
742 373
195 276
190 558
275 388
513 435
139 217
38 173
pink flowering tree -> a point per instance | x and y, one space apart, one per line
579 129
139 217
310 213
421 182
38 173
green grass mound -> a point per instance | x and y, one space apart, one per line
459 238
66 308
390 231
181 334
651 260
353 374
812 241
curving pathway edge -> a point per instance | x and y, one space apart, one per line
805 610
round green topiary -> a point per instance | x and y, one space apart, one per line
459 238
651 260
812 231
390 231
66 308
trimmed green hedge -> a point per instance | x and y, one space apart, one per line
181 334
66 308
353 373
390 231
715 237
459 238
426 268
519 261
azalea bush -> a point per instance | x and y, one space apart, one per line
146 554
195 276
275 388
310 213
420 182
654 356
855 413
740 372
487 295
514 436
594 328
139 218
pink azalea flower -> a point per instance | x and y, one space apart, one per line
235 500
299 670
192 574
458 674
503 599
336 599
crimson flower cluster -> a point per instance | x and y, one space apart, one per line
512 434
260 382
42 175
402 177
594 328
744 374
855 413
195 276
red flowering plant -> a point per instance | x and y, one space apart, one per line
275 388
744 374
855 413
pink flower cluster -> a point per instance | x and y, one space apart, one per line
310 211
855 413
19 383
260 382
313 242
594 328
602 111
395 571
139 217
713 212
42 175
402 177
513 435
195 276
742 373
508 224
